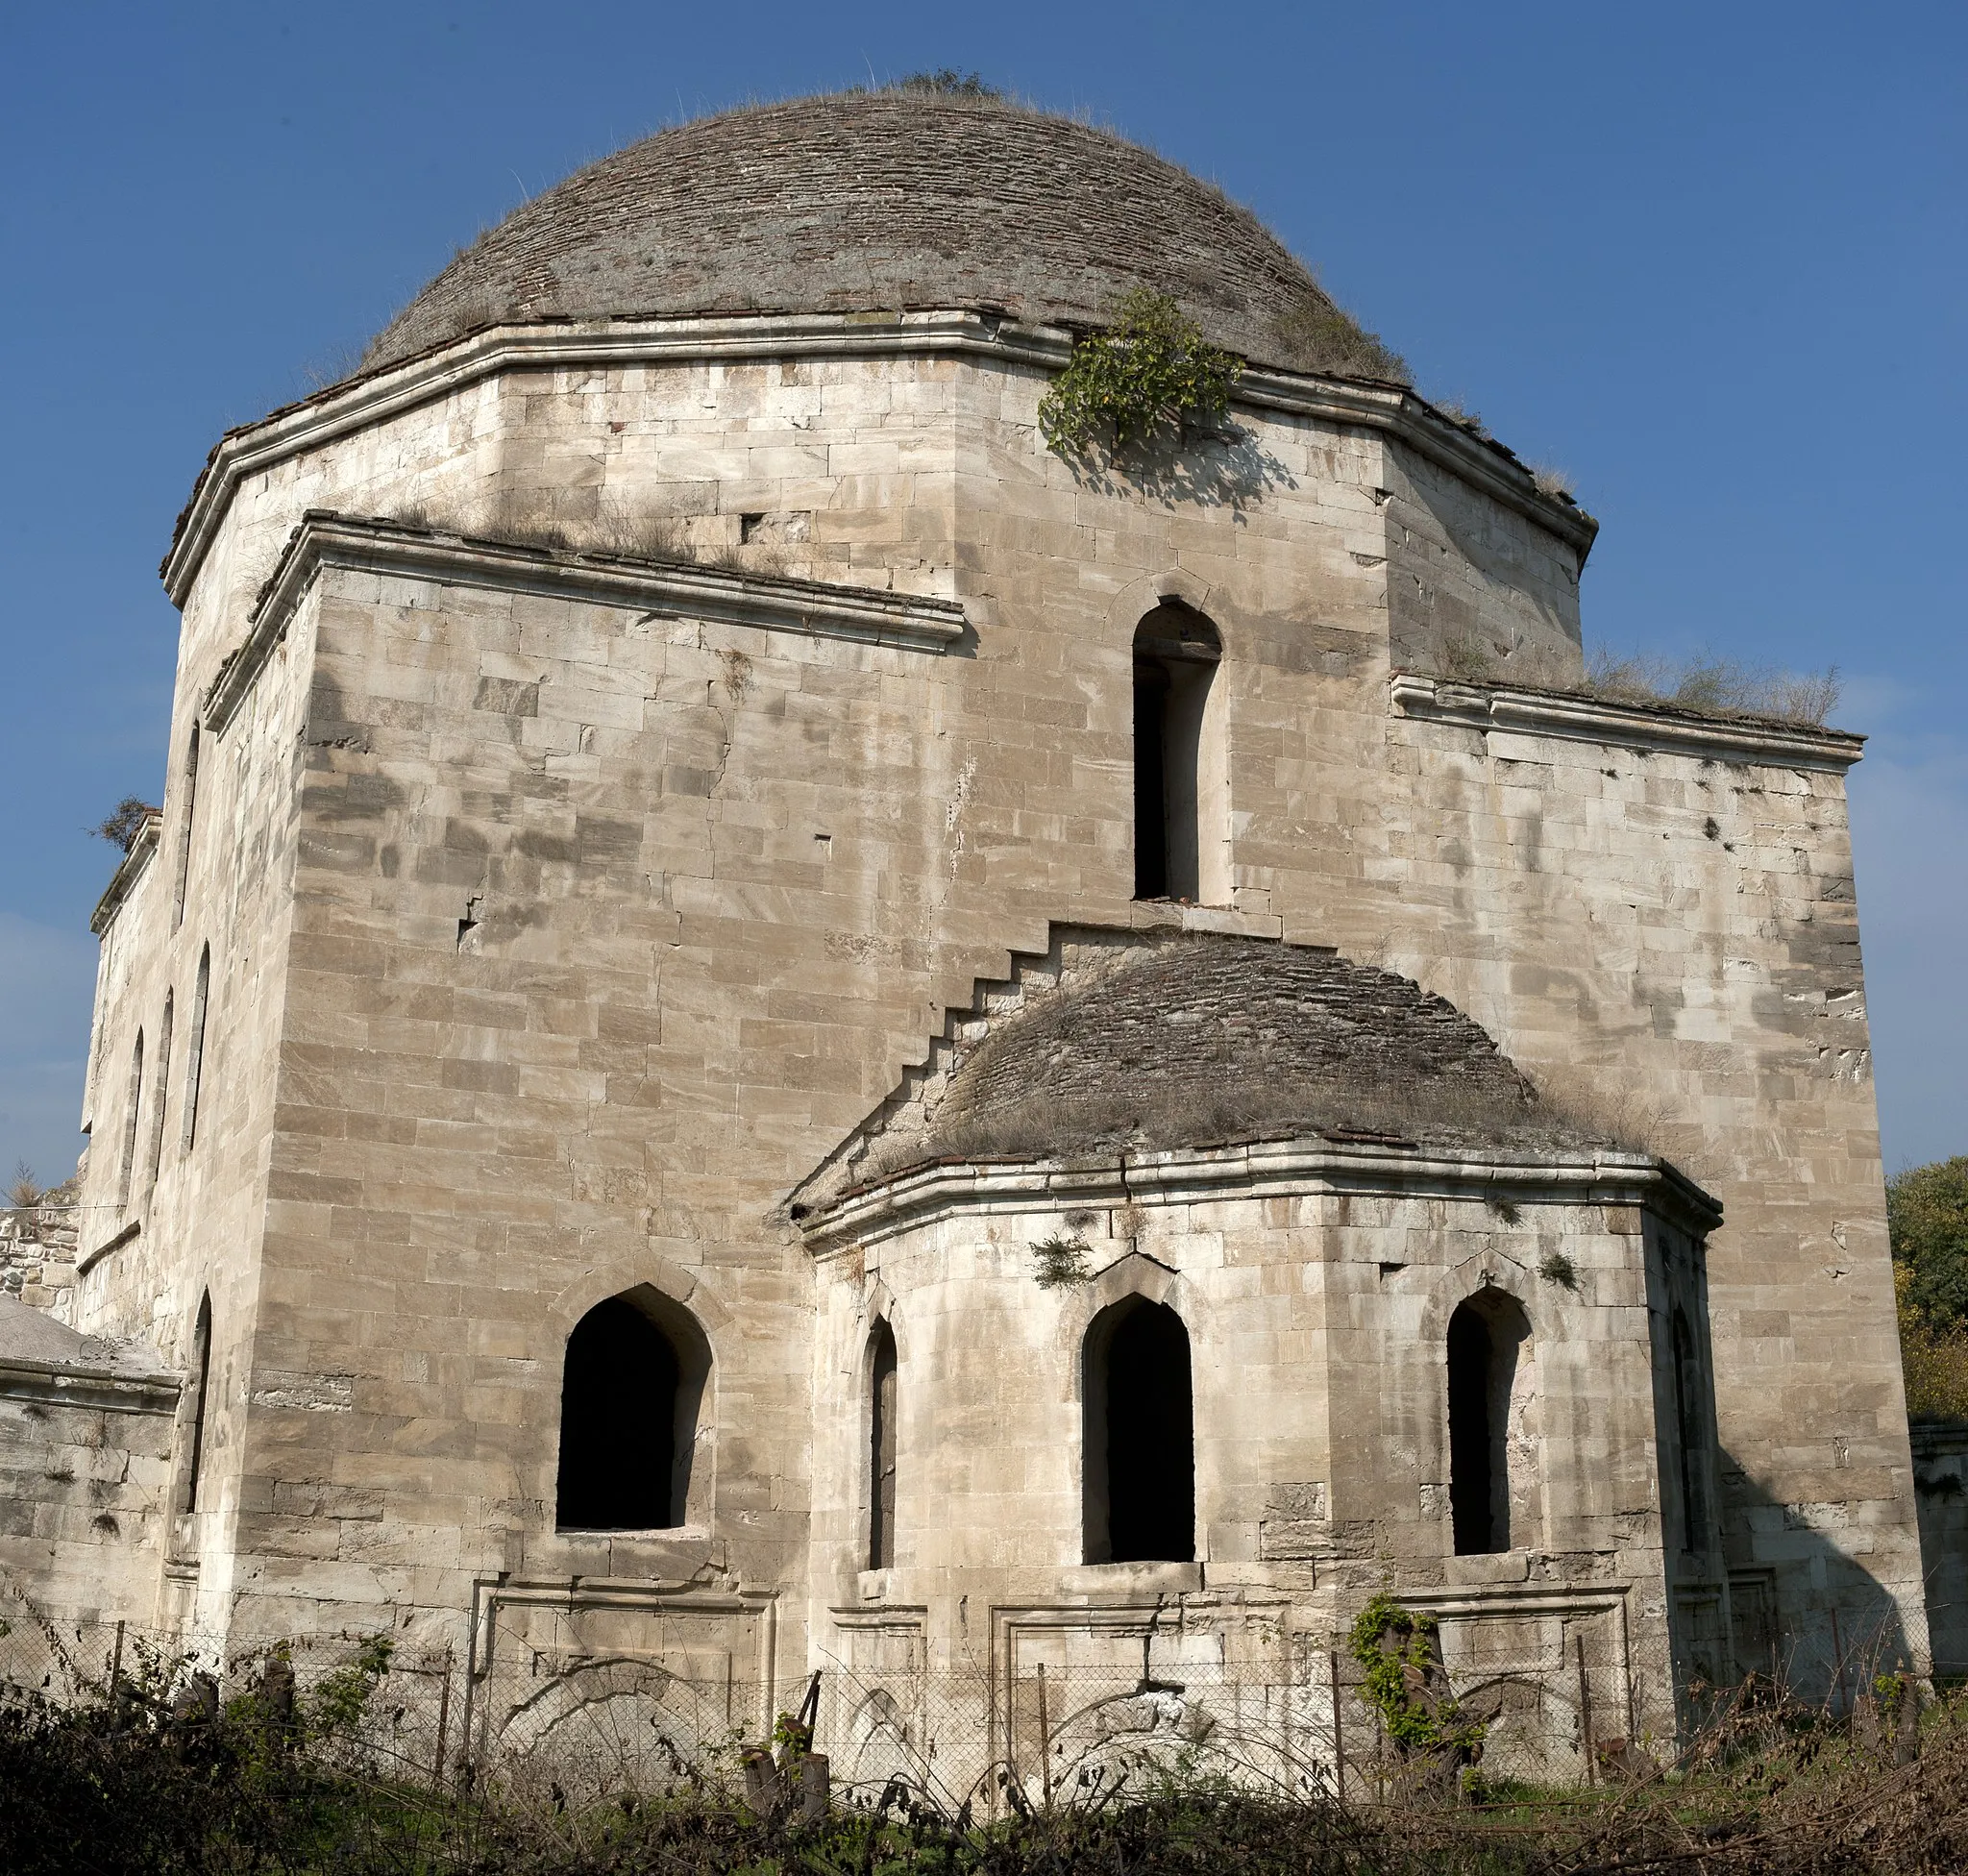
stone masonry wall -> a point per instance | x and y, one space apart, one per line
607 925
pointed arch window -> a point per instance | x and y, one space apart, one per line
881 1448
126 1164
1181 794
195 1053
159 1101
185 823
201 1394
631 1386
1490 1380
1139 1438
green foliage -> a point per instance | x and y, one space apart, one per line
1150 373
1060 1260
341 1698
1405 1680
1926 1216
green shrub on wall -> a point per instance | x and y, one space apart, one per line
1151 371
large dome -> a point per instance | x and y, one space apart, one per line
888 200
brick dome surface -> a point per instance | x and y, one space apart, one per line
1207 1039
885 201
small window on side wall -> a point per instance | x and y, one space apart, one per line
631 1388
881 1448
1181 792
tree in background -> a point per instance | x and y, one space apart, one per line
1926 1216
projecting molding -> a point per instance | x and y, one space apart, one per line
678 589
123 882
1624 726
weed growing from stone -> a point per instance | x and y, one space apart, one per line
1151 371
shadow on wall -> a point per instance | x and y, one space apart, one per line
1940 1484
1231 469
1804 1607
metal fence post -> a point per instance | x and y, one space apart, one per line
1339 1741
1586 1711
1045 1743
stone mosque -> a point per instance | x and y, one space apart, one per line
769 1028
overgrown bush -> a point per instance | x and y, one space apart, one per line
1926 1216
1151 372
124 822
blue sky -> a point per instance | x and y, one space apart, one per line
1709 260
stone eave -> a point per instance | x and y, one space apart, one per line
1663 728
1266 1169
81 1384
676 589
123 882
359 402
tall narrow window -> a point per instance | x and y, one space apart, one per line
881 1449
184 822
1140 1448
159 1101
200 1386
128 1164
1181 797
1689 1430
1490 1387
195 1053
634 1377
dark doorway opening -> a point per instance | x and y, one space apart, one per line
1140 1436
1176 652
881 1455
628 1423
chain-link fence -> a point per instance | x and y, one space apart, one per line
1019 1726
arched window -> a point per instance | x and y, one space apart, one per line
201 1388
128 1163
1491 1384
194 1055
1688 1426
1181 791
630 1390
881 1448
184 826
159 1101
1140 1452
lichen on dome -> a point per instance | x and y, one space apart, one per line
892 200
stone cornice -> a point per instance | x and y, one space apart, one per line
359 402
1665 728
83 1384
123 882
678 589
1262 1170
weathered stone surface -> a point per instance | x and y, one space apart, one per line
564 925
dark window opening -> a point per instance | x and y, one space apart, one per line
194 1059
1176 652
881 1454
161 1100
201 1361
628 1401
1484 1339
185 823
1688 1426
128 1163
1139 1437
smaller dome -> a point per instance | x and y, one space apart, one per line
1203 1040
